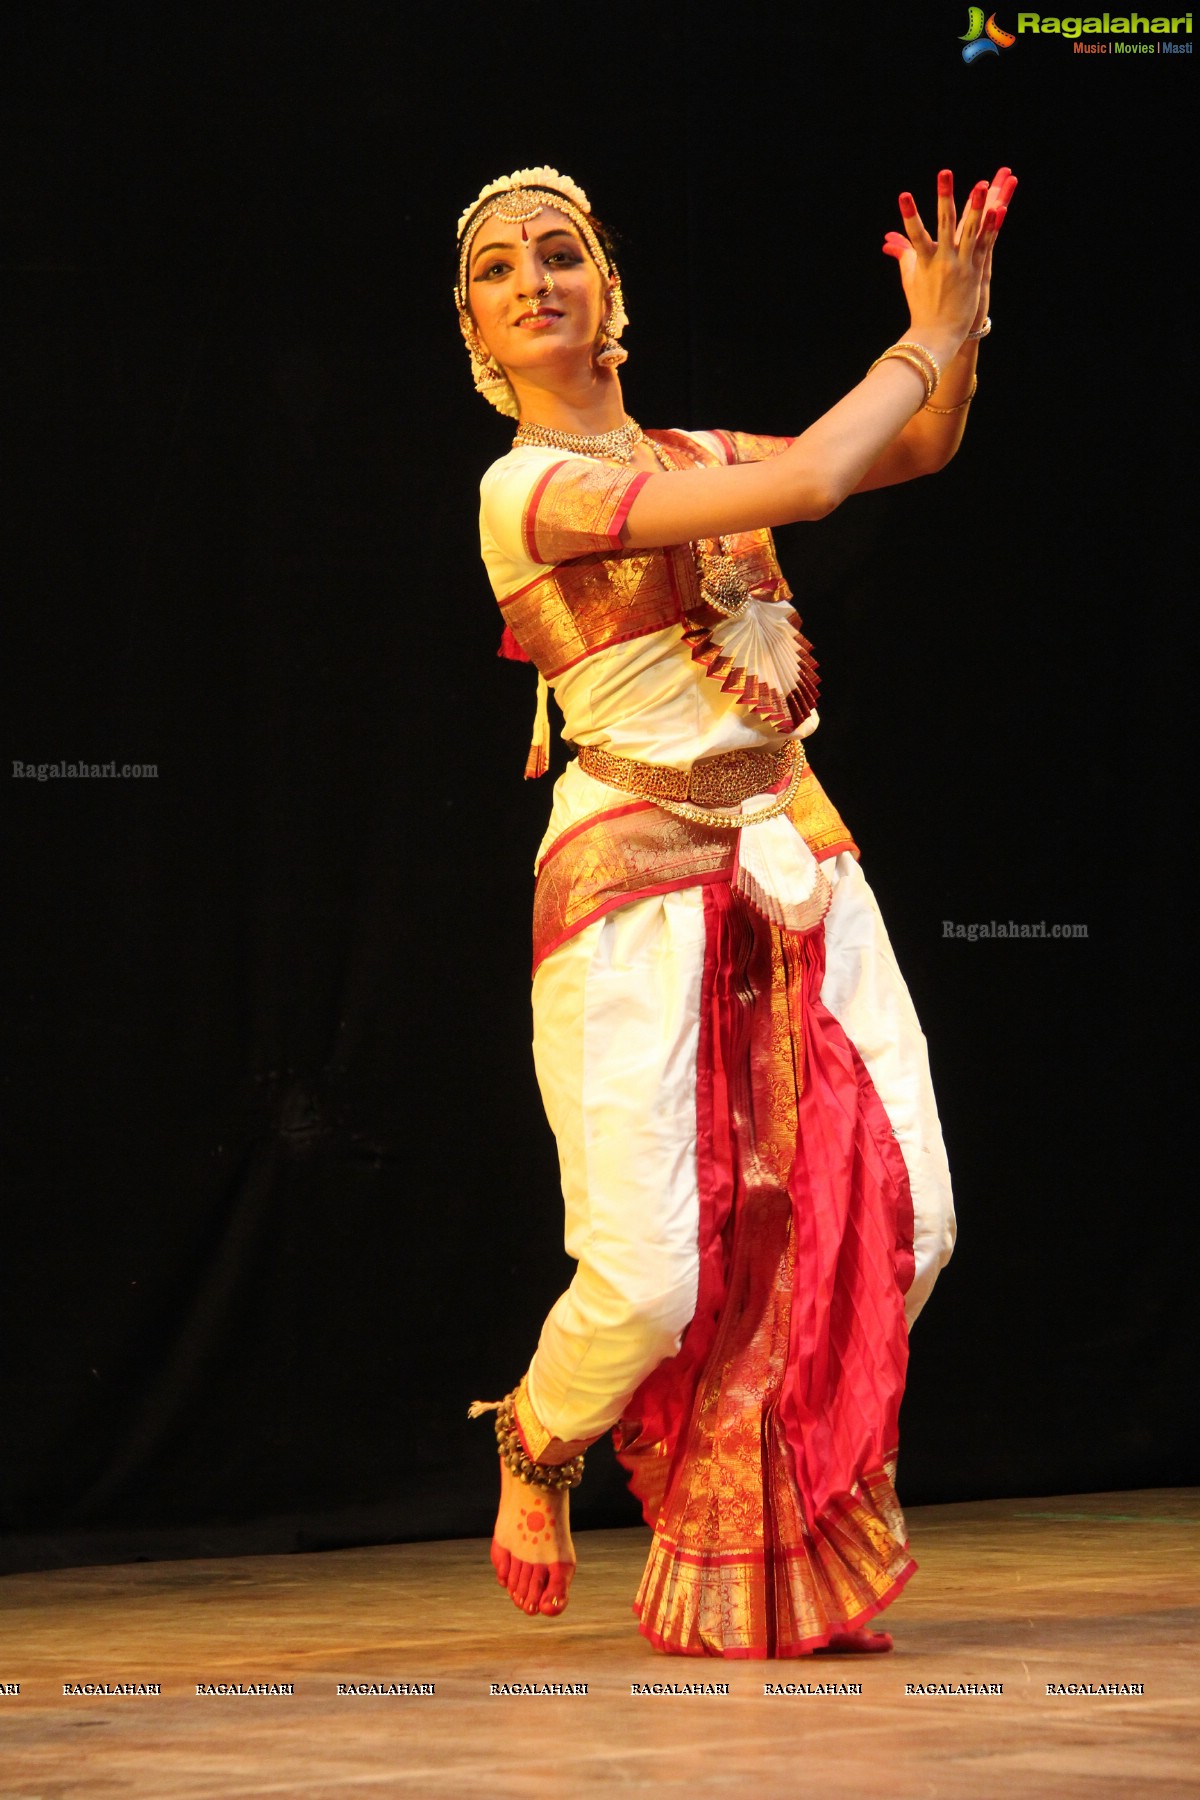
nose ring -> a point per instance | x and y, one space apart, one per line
535 300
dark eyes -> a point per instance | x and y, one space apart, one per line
558 258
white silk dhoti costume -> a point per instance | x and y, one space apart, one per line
615 1042
623 967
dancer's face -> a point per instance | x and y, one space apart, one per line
509 264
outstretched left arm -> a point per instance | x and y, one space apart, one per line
931 438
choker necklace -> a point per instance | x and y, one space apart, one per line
619 444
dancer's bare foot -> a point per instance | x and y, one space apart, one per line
856 1643
532 1552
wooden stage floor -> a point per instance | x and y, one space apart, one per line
1098 1589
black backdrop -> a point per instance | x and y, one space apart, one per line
281 1198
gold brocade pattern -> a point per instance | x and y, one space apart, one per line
638 849
754 551
735 1569
615 857
725 779
785 1600
594 602
752 446
597 595
540 1445
817 819
577 508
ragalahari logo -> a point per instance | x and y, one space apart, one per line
976 43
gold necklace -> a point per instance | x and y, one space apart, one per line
619 444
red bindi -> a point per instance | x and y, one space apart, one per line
524 235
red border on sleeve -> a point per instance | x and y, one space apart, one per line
627 499
529 522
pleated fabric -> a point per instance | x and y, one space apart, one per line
764 1451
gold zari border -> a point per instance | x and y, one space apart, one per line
639 849
594 602
784 1599
753 446
540 1445
575 509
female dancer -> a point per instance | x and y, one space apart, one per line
756 1189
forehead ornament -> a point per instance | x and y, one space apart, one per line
509 187
516 208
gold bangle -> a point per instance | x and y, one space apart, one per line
918 358
947 410
935 367
904 357
914 362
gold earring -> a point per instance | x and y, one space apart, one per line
610 354
490 379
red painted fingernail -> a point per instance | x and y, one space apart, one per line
945 181
1002 173
1010 188
908 206
979 195
1000 215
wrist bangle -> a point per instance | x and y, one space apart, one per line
973 337
946 410
917 357
926 356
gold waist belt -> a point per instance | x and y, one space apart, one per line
724 780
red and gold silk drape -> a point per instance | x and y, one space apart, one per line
764 1452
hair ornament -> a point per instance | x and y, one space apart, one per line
541 177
